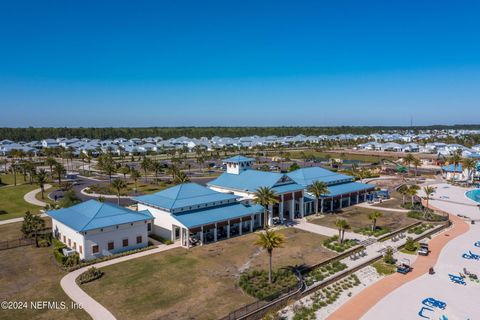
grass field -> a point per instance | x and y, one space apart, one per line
357 217
7 179
29 274
12 204
334 155
11 231
200 283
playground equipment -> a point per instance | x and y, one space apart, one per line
400 168
404 266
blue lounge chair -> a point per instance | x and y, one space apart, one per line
471 255
477 244
420 313
434 303
457 279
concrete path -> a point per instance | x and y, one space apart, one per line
90 305
30 197
303 224
369 206
43 215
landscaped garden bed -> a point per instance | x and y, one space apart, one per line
334 244
430 216
320 273
90 275
421 228
324 297
367 231
256 284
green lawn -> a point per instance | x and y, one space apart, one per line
357 217
200 283
12 204
8 179
11 231
29 274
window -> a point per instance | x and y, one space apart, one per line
94 248
139 239
125 242
110 245
69 243
149 226
64 239
74 245
59 236
80 249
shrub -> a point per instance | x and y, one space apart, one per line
255 283
410 244
388 257
89 275
42 243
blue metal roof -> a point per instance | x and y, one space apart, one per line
93 214
237 159
251 180
453 168
346 188
291 187
217 214
306 176
183 195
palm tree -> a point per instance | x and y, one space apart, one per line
59 170
455 160
416 163
412 191
181 177
270 240
32 224
119 185
408 160
341 225
429 191
374 216
172 170
318 188
403 190
265 197
124 170
41 179
470 165
157 168
135 175
145 165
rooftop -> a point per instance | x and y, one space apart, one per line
306 176
238 158
183 195
93 214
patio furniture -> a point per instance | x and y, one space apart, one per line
477 244
431 271
471 256
434 303
457 279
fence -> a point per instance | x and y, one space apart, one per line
10 244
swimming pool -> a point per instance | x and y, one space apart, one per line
474 195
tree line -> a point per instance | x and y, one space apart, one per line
31 133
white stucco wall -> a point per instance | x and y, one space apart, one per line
102 237
163 223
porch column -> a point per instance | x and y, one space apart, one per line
358 197
188 238
331 205
251 222
341 202
181 237
292 207
349 199
228 230
270 215
240 227
281 208
364 196
201 235
302 206
215 233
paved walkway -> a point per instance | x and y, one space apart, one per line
369 206
303 224
360 304
30 197
90 305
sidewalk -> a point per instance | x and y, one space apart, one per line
303 224
90 305
30 197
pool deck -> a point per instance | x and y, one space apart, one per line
400 296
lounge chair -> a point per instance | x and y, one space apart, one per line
434 303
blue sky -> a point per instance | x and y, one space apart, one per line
168 63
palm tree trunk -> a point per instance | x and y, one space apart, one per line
321 206
316 205
270 266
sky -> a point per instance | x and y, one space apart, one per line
239 63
